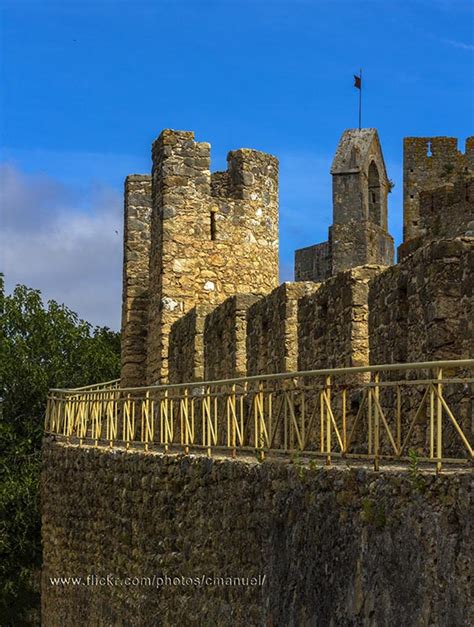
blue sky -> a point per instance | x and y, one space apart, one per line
86 87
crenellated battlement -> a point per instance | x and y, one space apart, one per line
361 362
210 237
201 294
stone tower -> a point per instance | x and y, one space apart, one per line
359 233
428 163
210 236
136 258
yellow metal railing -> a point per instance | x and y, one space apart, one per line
378 413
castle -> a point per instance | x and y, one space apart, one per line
201 295
126 499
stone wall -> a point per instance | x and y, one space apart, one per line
186 346
225 339
212 236
419 309
359 244
298 326
340 546
313 263
136 252
333 321
428 163
445 212
272 330
422 310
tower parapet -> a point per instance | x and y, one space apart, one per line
211 236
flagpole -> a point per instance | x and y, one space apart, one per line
360 100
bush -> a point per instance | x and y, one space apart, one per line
41 346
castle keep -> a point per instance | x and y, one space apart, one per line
201 296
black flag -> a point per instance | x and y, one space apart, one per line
357 81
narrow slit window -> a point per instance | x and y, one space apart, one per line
213 225
375 211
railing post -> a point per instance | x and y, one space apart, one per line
302 413
231 418
344 420
376 424
439 421
259 418
191 433
328 421
322 419
432 424
185 421
164 409
146 429
399 420
270 417
94 429
208 421
241 408
369 420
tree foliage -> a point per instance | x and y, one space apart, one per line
41 346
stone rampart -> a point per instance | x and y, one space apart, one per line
272 328
186 346
341 546
422 310
333 321
225 338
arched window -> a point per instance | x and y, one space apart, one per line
374 194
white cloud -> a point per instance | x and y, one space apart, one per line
459 44
65 238
66 243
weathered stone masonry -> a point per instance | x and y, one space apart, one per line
447 211
225 338
272 330
422 310
205 308
336 546
135 299
333 321
358 235
428 164
186 346
209 241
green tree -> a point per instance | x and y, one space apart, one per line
41 346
